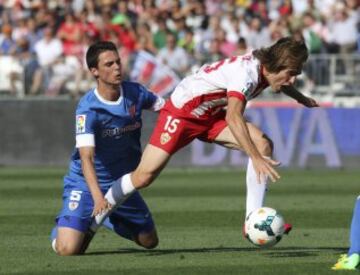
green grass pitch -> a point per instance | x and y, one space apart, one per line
199 215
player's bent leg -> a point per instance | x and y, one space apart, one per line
69 241
133 221
256 192
147 238
226 138
68 236
152 163
255 195
72 222
263 143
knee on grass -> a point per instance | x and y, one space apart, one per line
65 249
148 242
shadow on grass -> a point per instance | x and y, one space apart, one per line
272 252
296 252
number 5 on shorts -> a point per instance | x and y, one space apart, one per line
75 195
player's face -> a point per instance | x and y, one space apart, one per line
285 77
108 70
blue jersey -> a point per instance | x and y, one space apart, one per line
114 129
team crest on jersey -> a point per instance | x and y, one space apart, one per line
73 205
132 111
80 124
165 138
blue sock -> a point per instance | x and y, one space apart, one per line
119 229
355 230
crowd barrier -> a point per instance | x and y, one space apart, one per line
41 133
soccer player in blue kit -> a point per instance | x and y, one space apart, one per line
108 129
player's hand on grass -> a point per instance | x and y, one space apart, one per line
101 205
264 167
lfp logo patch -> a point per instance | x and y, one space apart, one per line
80 124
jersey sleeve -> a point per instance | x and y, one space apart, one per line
150 100
85 128
240 82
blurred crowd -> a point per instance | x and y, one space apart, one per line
44 42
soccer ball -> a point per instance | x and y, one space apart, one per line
264 227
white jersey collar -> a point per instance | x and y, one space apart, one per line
108 102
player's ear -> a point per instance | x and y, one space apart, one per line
264 71
94 72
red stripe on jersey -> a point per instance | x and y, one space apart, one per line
196 101
236 94
206 105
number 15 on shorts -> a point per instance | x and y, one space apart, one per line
171 124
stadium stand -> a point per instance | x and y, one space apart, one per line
204 31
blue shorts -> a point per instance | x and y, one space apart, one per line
78 205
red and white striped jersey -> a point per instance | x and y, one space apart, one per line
207 90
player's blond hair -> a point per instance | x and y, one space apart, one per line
286 53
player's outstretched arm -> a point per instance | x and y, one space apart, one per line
292 92
238 127
87 162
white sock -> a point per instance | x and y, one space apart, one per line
53 245
120 190
116 195
255 192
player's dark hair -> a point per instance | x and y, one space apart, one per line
92 54
286 53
